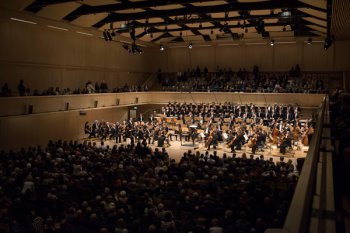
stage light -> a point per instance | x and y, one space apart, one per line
109 36
309 41
190 46
327 43
161 48
105 35
272 43
132 33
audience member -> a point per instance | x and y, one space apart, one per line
21 88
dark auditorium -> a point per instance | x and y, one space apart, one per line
174 116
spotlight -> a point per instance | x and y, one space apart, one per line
272 43
327 43
132 33
109 35
161 48
309 41
105 35
190 46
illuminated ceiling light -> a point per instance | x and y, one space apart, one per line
285 14
58 28
309 41
23 21
161 48
327 43
190 46
84 33
272 43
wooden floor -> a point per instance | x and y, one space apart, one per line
177 149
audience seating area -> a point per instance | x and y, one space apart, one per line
226 80
81 187
89 88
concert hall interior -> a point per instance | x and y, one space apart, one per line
174 116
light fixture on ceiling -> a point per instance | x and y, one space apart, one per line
23 21
161 47
190 46
272 43
132 32
105 35
84 33
285 14
309 41
109 35
328 43
58 28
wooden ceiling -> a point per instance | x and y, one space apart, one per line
172 21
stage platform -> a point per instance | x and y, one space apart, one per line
177 149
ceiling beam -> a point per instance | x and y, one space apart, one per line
37 5
216 26
86 9
273 4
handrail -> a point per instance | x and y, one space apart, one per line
298 217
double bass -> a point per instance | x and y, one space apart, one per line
210 139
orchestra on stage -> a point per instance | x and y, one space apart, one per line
231 125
